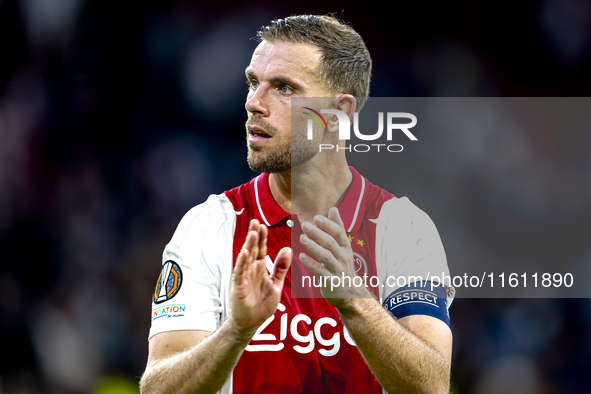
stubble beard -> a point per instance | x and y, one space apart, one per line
287 153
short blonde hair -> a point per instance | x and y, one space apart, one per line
345 66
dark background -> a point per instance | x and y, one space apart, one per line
116 118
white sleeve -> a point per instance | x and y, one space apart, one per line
408 247
193 286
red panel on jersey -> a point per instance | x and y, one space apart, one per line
304 347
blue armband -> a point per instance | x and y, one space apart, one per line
419 298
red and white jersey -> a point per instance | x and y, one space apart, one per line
303 347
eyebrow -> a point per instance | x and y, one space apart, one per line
250 74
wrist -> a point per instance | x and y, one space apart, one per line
355 304
243 334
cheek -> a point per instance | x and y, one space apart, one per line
283 111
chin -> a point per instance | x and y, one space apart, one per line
269 165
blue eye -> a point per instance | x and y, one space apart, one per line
286 89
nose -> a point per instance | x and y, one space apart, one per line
256 102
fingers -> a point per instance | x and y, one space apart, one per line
251 244
282 264
254 248
239 269
327 240
263 231
253 225
317 245
256 239
315 267
333 226
246 256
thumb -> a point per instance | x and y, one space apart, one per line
282 264
335 216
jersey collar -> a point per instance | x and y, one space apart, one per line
267 210
351 208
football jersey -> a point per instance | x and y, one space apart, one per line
304 346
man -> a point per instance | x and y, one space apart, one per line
224 318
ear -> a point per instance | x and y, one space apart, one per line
344 103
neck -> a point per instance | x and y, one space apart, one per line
311 189
280 185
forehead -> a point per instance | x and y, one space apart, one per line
285 59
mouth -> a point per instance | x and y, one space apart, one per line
260 134
257 134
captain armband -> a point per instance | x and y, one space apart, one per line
419 298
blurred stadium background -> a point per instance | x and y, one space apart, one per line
117 117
